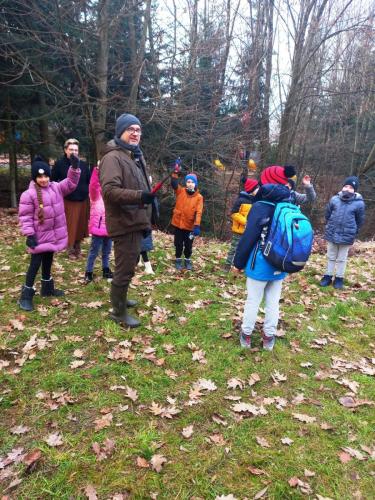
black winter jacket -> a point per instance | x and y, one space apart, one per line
60 172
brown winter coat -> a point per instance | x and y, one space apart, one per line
188 210
122 182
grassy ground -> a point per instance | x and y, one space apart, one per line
90 410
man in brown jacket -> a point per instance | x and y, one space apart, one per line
127 198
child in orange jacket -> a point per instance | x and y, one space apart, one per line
186 218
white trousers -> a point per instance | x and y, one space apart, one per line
256 290
337 256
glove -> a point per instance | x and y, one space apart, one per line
197 230
31 241
147 197
74 161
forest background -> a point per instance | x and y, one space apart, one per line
214 82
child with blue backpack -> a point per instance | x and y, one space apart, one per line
264 279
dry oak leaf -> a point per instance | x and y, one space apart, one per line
217 439
93 305
104 421
319 497
188 431
233 383
218 419
287 441
350 402
142 463
54 439
131 394
278 377
226 497
78 353
157 462
354 453
17 324
249 408
77 363
20 429
304 418
205 384
255 471
262 442
164 412
31 458
199 356
90 492
254 378
261 493
344 457
105 451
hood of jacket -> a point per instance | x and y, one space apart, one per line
273 193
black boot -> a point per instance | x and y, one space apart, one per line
26 300
48 289
119 307
107 273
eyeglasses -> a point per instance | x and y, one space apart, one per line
135 131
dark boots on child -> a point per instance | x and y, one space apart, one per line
26 300
326 280
48 289
120 304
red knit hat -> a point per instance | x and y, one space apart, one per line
250 185
277 175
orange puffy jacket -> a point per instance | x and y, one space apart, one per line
187 212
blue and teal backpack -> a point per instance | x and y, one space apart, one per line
288 241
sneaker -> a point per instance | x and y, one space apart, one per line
268 342
89 277
245 340
178 264
107 273
188 265
326 280
338 283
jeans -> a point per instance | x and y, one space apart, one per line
256 290
97 243
45 259
337 256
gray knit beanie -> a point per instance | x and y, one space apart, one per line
125 121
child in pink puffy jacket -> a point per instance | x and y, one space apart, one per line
42 219
98 230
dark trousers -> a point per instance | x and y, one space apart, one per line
37 259
183 243
144 256
126 249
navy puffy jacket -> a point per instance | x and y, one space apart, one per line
344 218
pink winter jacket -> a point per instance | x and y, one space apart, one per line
52 235
97 225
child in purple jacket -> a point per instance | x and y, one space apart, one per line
42 219
98 230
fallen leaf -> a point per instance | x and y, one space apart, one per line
217 439
262 442
187 432
233 383
261 493
157 462
54 439
304 418
255 471
90 492
77 363
354 453
20 429
131 394
254 378
30 458
344 457
104 421
142 463
287 441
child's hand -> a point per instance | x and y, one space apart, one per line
306 181
31 241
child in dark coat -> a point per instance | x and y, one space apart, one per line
345 214
239 214
263 279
